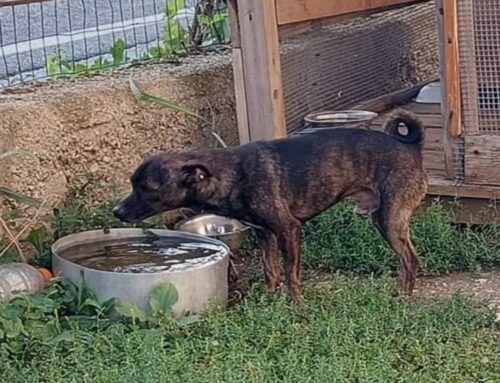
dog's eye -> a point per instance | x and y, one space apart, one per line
147 188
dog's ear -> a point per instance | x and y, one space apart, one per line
194 172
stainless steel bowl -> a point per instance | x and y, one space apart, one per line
230 231
334 119
197 286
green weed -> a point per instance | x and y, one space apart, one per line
208 27
346 331
58 67
341 240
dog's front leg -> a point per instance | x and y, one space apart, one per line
289 243
270 258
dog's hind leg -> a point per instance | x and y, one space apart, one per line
289 243
394 224
270 258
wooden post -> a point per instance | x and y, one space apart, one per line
257 73
449 76
238 74
452 69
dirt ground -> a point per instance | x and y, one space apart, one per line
483 287
94 128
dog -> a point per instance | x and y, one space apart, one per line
277 185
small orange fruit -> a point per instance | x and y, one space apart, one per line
46 273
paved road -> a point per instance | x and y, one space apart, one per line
80 29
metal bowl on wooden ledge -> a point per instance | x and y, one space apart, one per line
336 119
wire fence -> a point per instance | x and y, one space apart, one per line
42 39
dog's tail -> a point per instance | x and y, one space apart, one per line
414 126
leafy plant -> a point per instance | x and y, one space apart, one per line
58 66
162 299
194 23
37 238
188 24
347 330
118 52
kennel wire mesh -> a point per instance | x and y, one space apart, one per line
343 63
479 39
54 38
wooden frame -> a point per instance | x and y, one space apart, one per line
452 68
257 70
296 11
256 26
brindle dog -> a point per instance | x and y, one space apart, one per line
278 185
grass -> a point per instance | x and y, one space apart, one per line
340 240
348 330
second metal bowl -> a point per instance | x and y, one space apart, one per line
228 230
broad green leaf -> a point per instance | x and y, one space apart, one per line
156 52
188 319
16 196
118 52
79 68
174 6
162 298
89 302
129 310
65 336
37 238
12 328
109 304
65 65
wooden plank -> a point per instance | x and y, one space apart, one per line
440 186
478 211
288 30
482 160
262 69
448 141
240 97
433 136
424 109
433 160
295 11
238 74
452 68
391 100
430 121
232 10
